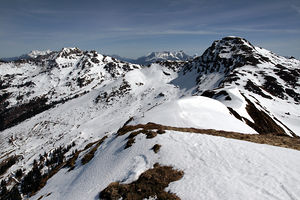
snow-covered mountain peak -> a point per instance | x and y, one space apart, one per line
162 56
233 49
36 53
259 76
167 55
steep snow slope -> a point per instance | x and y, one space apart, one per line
214 168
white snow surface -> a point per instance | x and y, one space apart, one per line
214 168
195 111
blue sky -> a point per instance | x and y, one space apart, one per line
132 28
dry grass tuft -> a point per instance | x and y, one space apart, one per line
72 161
274 139
131 138
156 148
90 155
151 183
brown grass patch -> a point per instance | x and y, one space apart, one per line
150 183
156 148
267 138
71 162
90 155
131 138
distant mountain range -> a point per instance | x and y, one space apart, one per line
32 54
157 57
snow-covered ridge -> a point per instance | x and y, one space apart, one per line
56 77
72 98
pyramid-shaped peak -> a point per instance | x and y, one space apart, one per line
236 43
229 47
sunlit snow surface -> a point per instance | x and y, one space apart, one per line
214 168
195 111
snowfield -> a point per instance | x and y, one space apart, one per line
214 168
197 112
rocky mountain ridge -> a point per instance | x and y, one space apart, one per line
53 78
78 124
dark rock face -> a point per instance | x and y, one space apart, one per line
173 65
216 94
14 115
263 123
250 86
273 87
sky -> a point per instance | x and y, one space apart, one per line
133 28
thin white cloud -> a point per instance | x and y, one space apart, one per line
135 31
296 8
180 32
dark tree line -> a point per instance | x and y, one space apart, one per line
13 194
34 180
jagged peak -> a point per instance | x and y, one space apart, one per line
233 50
157 53
236 40
165 55
67 51
70 50
231 45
